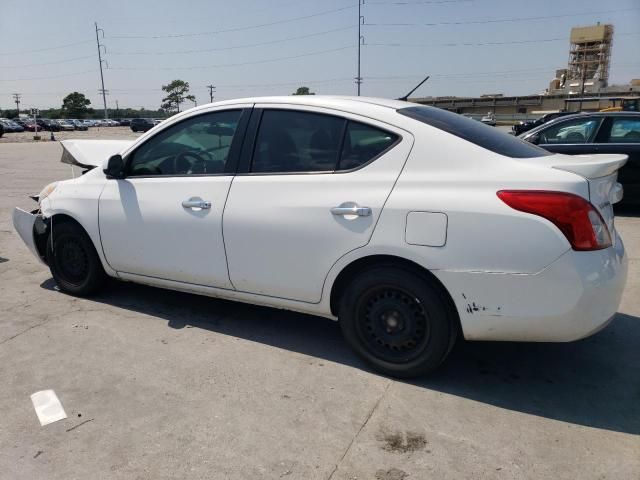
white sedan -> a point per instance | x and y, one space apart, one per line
409 224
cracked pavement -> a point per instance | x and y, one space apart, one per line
161 385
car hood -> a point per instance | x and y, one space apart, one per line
91 153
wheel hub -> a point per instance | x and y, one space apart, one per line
393 324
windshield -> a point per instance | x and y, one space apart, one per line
474 132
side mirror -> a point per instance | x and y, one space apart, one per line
115 167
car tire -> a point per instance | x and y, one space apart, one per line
398 321
73 260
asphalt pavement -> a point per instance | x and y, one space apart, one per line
161 385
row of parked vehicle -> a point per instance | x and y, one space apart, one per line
56 125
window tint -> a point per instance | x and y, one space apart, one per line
625 130
199 145
363 143
577 130
291 141
474 132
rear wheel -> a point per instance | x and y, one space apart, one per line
398 321
73 260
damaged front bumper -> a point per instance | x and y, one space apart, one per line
32 228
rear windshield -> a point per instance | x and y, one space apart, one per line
474 132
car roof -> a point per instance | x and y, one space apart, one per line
329 101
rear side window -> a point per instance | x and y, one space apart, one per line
363 143
290 141
474 132
625 130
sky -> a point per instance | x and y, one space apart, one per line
251 47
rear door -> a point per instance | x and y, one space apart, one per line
311 189
621 134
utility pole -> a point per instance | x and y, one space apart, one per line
360 42
211 89
102 90
16 98
117 109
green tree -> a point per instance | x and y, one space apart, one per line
303 91
75 105
177 93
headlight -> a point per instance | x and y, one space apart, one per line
46 191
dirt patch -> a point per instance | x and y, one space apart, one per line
392 474
399 442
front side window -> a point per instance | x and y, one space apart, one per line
198 145
578 130
625 130
292 141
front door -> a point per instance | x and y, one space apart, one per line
572 137
313 188
164 220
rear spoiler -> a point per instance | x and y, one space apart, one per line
592 166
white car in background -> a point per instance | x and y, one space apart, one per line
409 224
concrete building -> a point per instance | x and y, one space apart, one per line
583 85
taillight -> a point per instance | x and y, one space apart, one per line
573 215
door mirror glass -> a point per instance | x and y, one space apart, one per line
115 167
535 139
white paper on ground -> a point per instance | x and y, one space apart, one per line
48 407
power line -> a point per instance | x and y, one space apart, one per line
477 44
224 65
238 29
248 45
47 77
48 63
498 20
21 52
434 2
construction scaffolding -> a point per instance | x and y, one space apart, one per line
590 53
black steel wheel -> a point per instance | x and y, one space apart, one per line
398 321
73 260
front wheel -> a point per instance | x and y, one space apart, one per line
398 321
73 260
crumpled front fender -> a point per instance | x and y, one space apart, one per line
25 224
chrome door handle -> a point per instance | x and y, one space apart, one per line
355 210
191 203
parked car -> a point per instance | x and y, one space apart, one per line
141 124
30 125
407 223
48 124
78 125
489 119
10 126
522 127
598 132
65 125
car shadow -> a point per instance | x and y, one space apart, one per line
593 382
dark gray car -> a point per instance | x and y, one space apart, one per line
598 132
